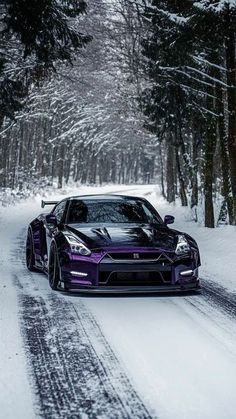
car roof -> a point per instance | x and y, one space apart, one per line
104 197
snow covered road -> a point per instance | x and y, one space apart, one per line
71 356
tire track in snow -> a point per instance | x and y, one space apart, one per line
219 296
74 371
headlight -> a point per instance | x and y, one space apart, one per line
76 246
182 246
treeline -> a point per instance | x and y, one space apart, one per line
151 96
83 122
191 101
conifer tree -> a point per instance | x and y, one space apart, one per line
191 45
34 36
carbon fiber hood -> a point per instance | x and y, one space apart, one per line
132 235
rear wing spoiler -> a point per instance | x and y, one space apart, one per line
43 203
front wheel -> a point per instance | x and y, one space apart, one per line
54 268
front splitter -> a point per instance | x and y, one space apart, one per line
137 290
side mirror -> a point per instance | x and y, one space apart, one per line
169 219
51 219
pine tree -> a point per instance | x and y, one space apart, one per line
46 27
219 54
167 103
184 51
34 36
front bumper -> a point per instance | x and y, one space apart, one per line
102 273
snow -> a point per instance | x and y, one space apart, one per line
217 7
176 363
179 352
15 394
173 17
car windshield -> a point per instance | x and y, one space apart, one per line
117 211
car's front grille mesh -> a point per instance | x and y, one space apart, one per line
148 268
134 278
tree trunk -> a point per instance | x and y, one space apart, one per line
170 177
61 166
182 191
161 158
231 82
208 172
226 186
196 141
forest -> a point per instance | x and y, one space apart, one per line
121 91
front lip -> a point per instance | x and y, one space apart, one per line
137 290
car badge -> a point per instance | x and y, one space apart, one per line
136 255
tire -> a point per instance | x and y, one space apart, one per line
53 268
29 253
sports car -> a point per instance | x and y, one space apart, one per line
111 243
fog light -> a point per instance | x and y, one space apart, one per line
74 273
187 273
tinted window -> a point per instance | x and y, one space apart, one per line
123 211
59 210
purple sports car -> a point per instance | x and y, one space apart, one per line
111 243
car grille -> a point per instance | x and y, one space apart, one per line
138 256
134 278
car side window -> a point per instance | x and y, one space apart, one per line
152 218
59 211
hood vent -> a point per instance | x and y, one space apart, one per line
102 232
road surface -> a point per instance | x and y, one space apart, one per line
86 356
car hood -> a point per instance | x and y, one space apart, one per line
135 235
